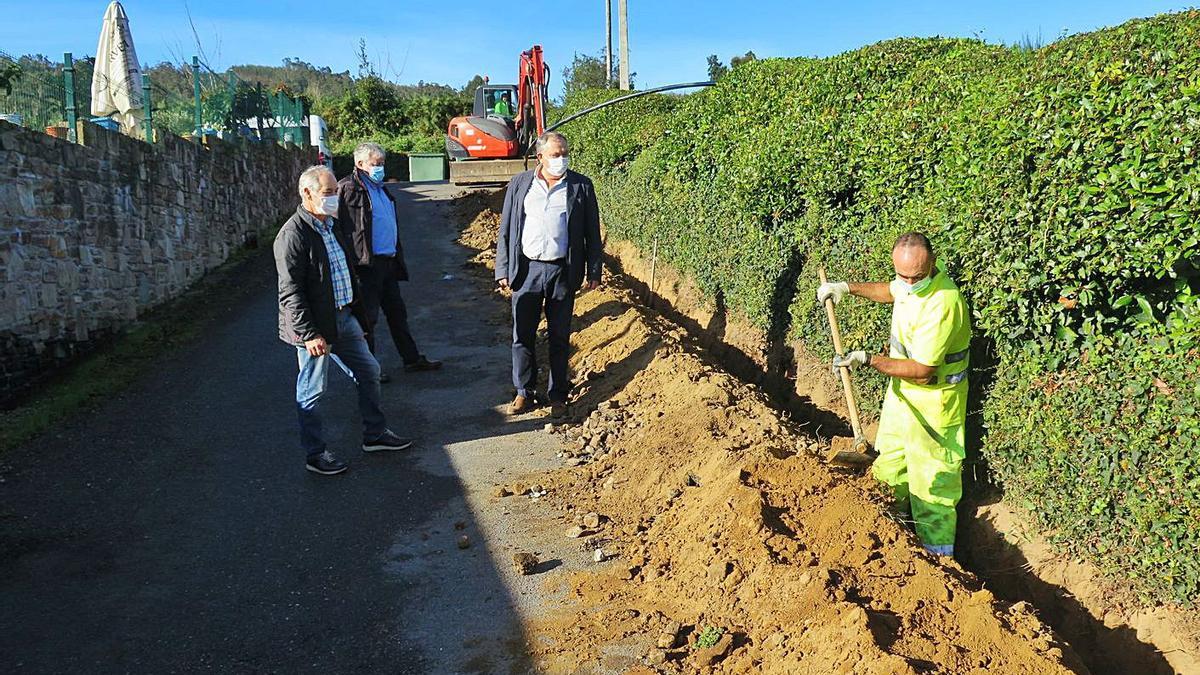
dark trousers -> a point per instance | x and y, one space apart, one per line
543 288
381 290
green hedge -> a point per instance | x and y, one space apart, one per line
1059 186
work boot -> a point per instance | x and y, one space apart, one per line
521 404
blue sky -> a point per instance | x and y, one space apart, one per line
450 42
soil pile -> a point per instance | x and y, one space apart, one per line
723 544
481 210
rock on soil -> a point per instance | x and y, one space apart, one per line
525 563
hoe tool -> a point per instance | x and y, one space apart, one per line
848 452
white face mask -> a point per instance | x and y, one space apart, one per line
328 205
918 287
557 166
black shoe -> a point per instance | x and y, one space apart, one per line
325 464
384 378
422 364
558 409
386 441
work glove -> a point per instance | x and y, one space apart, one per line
850 360
833 289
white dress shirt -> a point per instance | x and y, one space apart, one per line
544 236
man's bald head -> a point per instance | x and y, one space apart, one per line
912 256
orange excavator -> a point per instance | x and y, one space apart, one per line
491 144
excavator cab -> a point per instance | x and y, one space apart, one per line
484 134
490 145
489 95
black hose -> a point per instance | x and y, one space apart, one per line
669 87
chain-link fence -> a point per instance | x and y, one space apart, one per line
42 94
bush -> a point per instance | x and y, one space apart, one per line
1058 185
401 121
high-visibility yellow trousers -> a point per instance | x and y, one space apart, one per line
923 466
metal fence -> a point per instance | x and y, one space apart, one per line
31 93
42 94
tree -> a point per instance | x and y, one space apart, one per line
745 58
365 67
587 72
469 88
584 72
715 68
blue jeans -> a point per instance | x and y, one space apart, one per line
350 353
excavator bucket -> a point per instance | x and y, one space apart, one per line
485 171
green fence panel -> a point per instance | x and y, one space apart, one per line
31 91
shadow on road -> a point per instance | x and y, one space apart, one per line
173 527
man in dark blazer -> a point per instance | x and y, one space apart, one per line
549 244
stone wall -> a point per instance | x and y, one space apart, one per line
93 234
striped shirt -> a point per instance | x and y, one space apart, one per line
343 292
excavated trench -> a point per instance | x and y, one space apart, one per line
709 486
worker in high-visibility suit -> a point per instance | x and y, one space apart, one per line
921 426
503 106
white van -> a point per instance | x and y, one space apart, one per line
317 136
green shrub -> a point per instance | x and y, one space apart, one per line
400 121
1060 187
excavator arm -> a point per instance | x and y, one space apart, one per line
533 80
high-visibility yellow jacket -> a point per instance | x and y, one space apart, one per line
933 328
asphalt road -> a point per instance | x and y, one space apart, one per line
173 528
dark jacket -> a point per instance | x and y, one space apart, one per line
354 215
584 249
306 307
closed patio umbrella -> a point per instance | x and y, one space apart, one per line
117 78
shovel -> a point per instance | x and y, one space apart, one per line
848 452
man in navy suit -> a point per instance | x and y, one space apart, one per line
549 244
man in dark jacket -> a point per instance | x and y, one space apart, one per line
367 215
319 315
549 242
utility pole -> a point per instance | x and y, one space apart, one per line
623 20
608 43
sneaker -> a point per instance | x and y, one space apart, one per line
384 378
422 364
386 441
325 464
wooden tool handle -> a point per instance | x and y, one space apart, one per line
851 405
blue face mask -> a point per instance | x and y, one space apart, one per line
376 174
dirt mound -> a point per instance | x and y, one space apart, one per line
723 544
482 209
